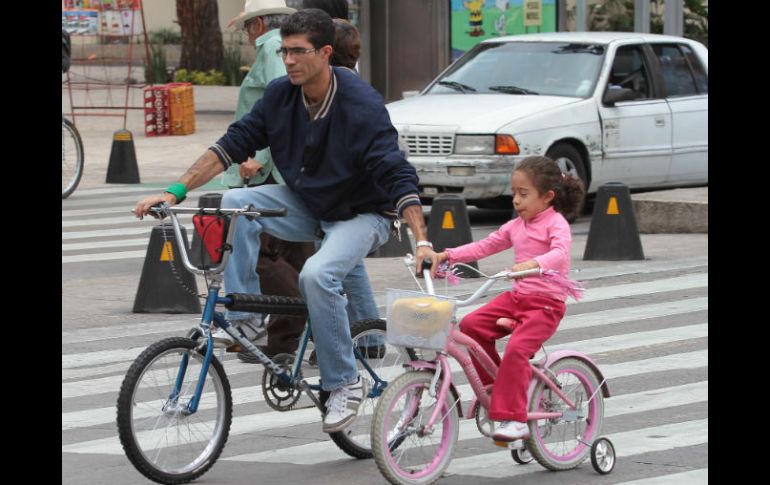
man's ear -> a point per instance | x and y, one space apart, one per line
326 51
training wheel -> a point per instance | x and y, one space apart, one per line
522 456
603 456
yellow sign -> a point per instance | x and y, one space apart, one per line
168 253
448 222
533 13
122 137
612 207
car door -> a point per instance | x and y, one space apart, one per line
686 89
636 134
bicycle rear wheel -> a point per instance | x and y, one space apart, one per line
386 361
404 451
71 158
163 441
560 443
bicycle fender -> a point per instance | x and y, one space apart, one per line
418 365
553 357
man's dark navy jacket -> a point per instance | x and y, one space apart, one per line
345 162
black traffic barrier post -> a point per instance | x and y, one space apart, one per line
449 227
613 235
199 256
394 247
122 168
166 286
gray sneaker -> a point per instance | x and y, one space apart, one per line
252 328
342 406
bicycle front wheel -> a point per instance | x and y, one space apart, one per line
386 363
71 158
405 451
560 443
161 438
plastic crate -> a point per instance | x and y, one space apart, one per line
418 320
156 111
181 108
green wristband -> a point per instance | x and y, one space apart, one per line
178 190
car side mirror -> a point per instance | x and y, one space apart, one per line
616 94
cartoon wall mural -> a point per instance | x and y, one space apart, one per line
475 20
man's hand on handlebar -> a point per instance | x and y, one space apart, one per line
143 206
424 253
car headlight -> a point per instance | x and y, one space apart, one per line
475 144
486 145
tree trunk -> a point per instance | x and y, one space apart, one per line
202 47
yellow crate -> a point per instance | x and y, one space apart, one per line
181 108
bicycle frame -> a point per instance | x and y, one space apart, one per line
209 314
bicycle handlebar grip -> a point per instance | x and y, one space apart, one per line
426 264
273 212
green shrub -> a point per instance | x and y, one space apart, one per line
232 65
211 77
155 70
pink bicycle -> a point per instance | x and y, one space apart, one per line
416 423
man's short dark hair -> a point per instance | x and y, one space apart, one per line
337 9
314 22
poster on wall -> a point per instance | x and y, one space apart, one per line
475 20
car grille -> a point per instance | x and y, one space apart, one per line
428 144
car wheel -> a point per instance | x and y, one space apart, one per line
570 162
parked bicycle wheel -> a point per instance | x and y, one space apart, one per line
162 440
387 363
560 443
71 158
406 453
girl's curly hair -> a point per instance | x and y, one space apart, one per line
546 175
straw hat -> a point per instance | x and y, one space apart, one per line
258 8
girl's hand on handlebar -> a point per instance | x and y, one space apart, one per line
143 206
531 264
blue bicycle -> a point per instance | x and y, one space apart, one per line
174 408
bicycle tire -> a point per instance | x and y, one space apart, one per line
355 440
72 169
137 405
578 381
406 467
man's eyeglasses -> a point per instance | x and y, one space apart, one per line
294 51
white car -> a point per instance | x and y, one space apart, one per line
609 107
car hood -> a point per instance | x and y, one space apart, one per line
471 113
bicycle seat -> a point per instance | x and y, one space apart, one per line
275 305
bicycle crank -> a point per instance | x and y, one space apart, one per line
278 394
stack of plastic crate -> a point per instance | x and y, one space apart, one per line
156 111
182 108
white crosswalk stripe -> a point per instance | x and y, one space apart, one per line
636 345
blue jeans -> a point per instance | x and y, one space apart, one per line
344 245
361 304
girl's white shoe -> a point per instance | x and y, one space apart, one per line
511 431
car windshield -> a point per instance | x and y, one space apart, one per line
525 69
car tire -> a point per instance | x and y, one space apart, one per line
570 161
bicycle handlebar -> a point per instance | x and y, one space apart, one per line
248 212
163 209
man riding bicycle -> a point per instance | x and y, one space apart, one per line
333 142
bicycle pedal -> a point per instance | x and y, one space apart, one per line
513 445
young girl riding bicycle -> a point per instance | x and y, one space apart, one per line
532 310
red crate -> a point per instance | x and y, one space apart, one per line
156 111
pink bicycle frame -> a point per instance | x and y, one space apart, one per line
454 347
